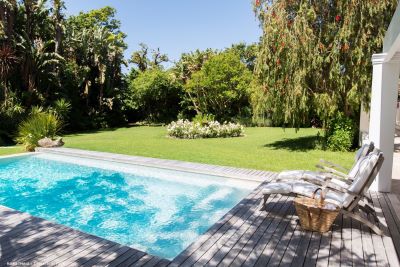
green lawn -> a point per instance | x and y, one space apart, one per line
272 149
8 150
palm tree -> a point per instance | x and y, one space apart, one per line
38 61
101 48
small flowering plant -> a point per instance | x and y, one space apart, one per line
185 129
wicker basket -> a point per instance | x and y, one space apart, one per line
314 214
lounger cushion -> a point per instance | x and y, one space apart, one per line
301 174
363 151
366 167
296 175
301 188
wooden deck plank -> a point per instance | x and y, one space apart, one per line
290 251
193 253
302 249
59 248
251 237
269 222
18 244
324 249
346 259
38 247
75 248
357 244
277 237
312 252
49 252
124 257
228 253
142 261
368 246
266 238
133 259
393 205
25 247
216 253
211 232
336 242
276 256
392 236
153 262
379 242
106 256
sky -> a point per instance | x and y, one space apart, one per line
177 26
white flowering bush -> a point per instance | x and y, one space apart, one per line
190 130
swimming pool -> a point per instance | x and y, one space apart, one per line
156 210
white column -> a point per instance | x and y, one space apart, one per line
383 114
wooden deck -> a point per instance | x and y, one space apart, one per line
31 241
245 236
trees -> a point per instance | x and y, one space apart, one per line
190 63
220 87
247 53
314 57
143 60
155 95
45 57
95 57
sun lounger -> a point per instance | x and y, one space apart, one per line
348 197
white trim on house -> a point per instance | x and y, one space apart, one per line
385 81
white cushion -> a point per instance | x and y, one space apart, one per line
301 188
366 166
277 188
362 152
301 174
307 189
297 175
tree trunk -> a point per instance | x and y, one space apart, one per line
28 4
58 5
7 17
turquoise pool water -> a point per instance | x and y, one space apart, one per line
158 211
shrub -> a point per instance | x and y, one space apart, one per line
38 125
61 108
340 133
203 119
190 130
11 113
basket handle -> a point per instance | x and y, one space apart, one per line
322 195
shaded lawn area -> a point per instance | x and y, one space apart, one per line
266 148
8 150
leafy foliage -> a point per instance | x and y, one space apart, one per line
314 57
61 108
38 125
143 61
190 63
71 63
220 87
340 133
155 95
203 119
11 113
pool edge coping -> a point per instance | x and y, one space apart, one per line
201 168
